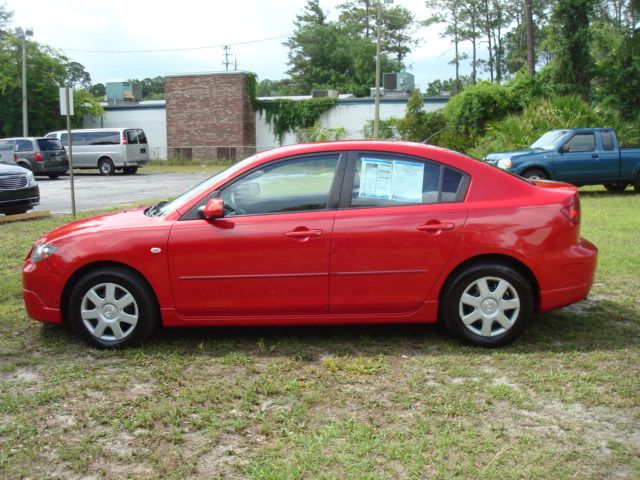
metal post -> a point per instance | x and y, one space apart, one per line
376 118
73 193
25 121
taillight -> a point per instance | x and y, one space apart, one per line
38 156
572 211
124 139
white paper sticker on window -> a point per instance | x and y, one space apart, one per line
394 180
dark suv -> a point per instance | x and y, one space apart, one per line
19 190
43 156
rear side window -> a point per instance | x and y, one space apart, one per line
582 142
49 144
607 140
102 138
387 181
24 146
6 144
132 137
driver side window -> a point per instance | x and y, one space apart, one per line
296 185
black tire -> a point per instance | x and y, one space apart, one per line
130 170
535 174
636 184
102 289
53 176
15 211
487 330
616 187
106 167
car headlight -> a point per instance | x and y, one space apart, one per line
42 251
32 179
504 163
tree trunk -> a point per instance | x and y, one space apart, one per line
487 14
528 19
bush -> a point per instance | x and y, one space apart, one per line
518 131
468 112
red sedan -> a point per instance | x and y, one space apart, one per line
327 233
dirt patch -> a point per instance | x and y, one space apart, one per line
22 374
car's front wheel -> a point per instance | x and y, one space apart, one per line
487 304
112 308
535 174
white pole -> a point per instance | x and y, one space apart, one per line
73 192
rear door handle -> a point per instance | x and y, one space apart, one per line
435 226
303 233
595 155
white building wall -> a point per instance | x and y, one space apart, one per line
152 119
350 114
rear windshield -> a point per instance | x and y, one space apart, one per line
48 144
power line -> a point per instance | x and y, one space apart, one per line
160 50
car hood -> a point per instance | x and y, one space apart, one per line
126 220
494 157
11 169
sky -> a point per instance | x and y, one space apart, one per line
81 28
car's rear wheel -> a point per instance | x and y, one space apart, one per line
25 165
112 308
488 304
616 187
636 184
535 174
53 176
130 170
106 167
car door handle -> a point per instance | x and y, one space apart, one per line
595 155
303 233
435 226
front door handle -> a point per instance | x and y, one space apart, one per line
436 226
595 155
303 233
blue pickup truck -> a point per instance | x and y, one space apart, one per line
581 156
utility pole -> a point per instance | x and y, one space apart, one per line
227 54
376 117
23 34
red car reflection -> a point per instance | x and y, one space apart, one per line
327 233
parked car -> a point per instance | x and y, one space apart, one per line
580 156
43 156
107 149
326 233
19 191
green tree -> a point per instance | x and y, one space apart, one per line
324 54
47 69
569 43
98 90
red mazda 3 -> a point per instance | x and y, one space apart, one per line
328 233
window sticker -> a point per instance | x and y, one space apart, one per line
391 179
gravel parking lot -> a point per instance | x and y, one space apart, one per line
95 191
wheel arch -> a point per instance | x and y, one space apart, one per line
530 167
512 262
82 271
104 157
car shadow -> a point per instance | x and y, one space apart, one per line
591 325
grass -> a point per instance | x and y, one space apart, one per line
341 402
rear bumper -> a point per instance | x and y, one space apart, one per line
575 273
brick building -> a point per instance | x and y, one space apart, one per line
209 115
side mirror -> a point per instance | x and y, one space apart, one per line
213 209
564 148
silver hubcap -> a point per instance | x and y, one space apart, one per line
109 311
489 306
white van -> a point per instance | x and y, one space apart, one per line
107 149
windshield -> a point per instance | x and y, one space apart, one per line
549 140
164 207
